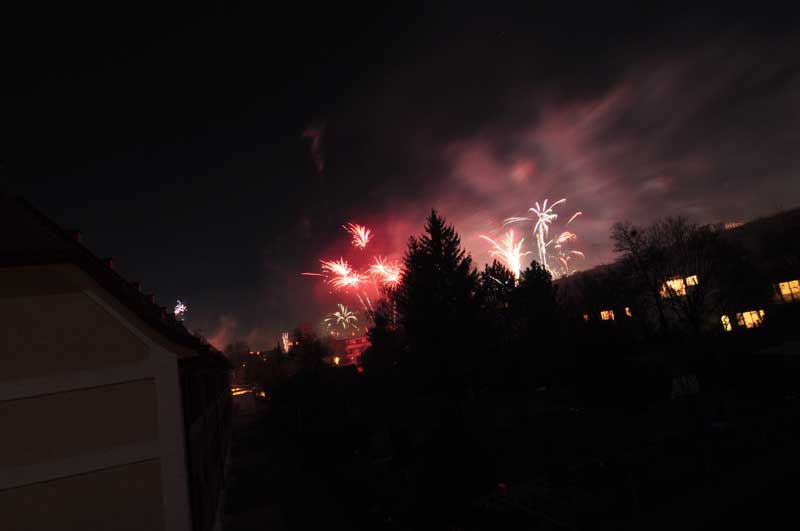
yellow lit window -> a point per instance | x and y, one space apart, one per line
677 286
673 286
628 312
789 291
607 315
726 323
750 319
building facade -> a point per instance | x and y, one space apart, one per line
114 416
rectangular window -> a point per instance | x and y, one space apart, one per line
789 291
677 286
750 319
586 317
726 323
628 312
607 315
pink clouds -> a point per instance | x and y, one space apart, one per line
622 153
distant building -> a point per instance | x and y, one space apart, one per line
113 415
771 244
348 351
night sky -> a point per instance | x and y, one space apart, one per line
179 140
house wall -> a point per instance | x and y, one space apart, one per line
90 402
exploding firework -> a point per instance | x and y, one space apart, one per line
339 274
361 234
386 273
180 311
344 318
509 252
544 216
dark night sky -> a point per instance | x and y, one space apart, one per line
173 138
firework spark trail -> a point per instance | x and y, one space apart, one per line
508 252
344 318
315 133
575 215
385 272
361 234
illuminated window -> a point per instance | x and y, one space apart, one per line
750 319
607 315
336 360
586 317
726 323
628 312
677 286
789 291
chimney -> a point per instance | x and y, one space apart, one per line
109 262
76 236
151 298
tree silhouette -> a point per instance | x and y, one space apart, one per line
436 301
666 254
534 323
386 340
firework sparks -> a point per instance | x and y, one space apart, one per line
361 234
180 311
285 342
340 275
509 252
566 237
544 217
385 272
344 318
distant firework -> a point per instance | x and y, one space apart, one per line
381 273
285 342
385 272
343 317
340 275
544 216
509 252
361 234
180 310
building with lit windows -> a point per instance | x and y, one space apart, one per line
114 416
348 351
772 244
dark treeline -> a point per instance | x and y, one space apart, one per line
489 402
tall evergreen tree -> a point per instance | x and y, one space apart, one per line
533 310
436 302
